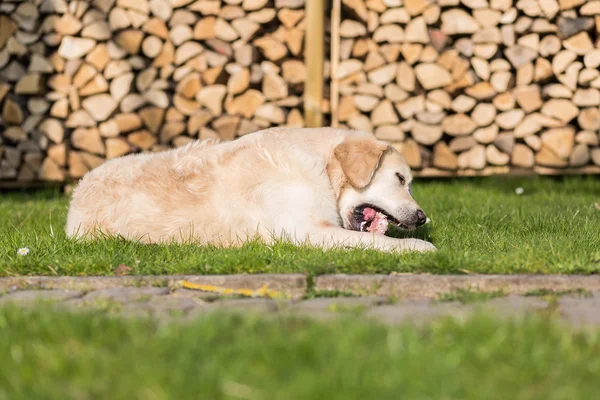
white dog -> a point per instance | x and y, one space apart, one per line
323 186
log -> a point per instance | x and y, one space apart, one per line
486 135
383 75
238 82
99 106
116 147
529 98
246 104
289 18
352 29
212 97
458 125
171 130
410 106
405 77
474 158
580 156
294 119
580 44
88 140
432 76
12 112
444 158
505 142
49 171
587 97
495 156
481 91
389 133
384 114
416 31
365 103
509 119
426 134
198 121
562 109
274 87
152 117
547 158
587 137
595 156
589 119
463 104
226 126
522 156
483 114
457 21
53 129
412 154
560 141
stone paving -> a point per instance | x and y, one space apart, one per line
390 299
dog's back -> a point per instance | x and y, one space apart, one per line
209 192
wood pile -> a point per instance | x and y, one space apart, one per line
459 86
86 81
476 86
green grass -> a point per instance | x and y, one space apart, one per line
51 355
478 225
467 296
559 293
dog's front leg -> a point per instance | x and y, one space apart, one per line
337 237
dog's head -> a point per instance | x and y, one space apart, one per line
373 185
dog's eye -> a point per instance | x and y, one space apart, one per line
401 179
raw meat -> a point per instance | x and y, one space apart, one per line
378 221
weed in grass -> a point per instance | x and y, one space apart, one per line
468 296
356 309
552 296
559 293
315 294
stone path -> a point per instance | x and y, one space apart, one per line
387 298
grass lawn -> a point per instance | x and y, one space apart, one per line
55 355
478 225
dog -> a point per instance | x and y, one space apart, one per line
324 187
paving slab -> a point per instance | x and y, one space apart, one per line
336 304
389 299
124 294
580 311
418 312
163 307
513 306
245 305
32 297
431 286
293 286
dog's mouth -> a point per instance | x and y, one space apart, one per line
370 218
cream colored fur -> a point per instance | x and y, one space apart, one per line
297 184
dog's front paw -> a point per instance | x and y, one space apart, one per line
419 245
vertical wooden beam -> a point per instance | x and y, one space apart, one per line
313 54
334 93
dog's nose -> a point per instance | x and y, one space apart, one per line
421 217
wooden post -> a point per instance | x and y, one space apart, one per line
334 96
313 49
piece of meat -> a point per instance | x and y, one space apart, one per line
369 213
379 224
377 221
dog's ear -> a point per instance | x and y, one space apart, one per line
359 159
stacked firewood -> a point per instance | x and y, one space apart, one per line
457 85
474 85
86 81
